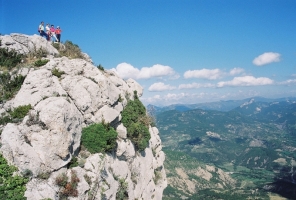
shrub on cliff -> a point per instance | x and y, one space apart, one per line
9 85
98 138
135 119
40 62
69 49
122 193
18 113
67 189
56 72
9 58
11 187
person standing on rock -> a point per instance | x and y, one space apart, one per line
52 32
58 33
41 30
48 32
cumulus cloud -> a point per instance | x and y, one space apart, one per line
125 70
266 58
195 85
155 71
210 74
246 81
156 87
236 71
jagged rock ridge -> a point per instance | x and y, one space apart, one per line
45 141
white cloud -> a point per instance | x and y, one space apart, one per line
195 85
184 98
210 74
160 86
266 58
246 81
125 70
236 71
155 71
288 82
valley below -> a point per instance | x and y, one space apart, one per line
247 152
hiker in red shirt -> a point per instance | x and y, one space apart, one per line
58 33
52 31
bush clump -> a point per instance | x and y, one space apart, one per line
122 193
134 119
11 187
9 58
9 85
18 113
56 45
73 162
40 62
69 49
61 180
100 67
67 189
98 138
56 72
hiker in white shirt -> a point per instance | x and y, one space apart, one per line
41 30
48 32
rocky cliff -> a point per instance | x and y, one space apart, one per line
48 139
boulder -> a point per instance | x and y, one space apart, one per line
25 44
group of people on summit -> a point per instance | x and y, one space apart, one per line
51 33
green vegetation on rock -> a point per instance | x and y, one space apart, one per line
18 113
73 162
69 49
9 58
122 193
67 189
12 186
135 119
40 62
100 67
56 72
99 138
9 85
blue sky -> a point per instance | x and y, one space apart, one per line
180 51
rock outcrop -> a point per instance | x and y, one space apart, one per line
49 137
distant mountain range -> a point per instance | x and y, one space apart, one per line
223 106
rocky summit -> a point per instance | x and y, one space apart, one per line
47 141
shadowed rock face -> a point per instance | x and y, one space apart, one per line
49 136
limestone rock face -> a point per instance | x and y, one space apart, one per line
46 140
25 44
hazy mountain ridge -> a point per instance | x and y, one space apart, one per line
254 143
218 105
